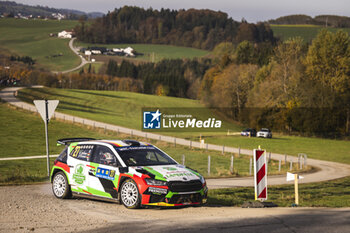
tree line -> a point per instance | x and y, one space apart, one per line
202 29
325 20
303 88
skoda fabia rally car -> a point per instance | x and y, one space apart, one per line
133 173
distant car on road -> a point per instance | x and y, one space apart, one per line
134 173
264 133
249 131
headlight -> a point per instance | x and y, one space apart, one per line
155 182
202 179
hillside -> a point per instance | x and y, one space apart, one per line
8 7
31 38
97 105
305 31
125 109
335 21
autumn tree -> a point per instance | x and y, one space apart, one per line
328 63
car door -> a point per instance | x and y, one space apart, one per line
104 179
78 161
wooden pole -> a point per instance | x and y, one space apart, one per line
279 165
231 167
250 166
296 189
208 165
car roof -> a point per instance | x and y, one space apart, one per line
117 143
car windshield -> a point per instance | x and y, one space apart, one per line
265 130
143 156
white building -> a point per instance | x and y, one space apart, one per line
65 34
87 52
129 52
95 51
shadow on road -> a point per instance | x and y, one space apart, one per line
313 220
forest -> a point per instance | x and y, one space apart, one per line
202 29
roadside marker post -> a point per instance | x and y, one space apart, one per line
46 109
208 165
231 167
250 165
260 175
279 165
295 177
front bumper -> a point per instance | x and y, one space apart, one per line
175 198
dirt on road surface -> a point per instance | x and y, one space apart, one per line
33 208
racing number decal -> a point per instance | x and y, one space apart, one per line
76 151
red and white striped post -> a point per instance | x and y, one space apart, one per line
260 175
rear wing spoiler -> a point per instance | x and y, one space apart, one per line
67 141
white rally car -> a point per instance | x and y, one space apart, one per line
131 172
264 133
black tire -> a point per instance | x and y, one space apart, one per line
130 195
60 187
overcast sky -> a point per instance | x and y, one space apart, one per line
251 10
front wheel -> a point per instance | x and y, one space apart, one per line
129 194
60 186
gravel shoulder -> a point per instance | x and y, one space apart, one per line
33 208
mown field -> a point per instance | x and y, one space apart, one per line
31 38
307 32
22 134
153 52
125 109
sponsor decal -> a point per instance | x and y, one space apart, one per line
181 174
78 175
105 173
170 168
157 190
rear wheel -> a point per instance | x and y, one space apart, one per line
60 186
129 194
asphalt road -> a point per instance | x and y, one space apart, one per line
83 60
33 208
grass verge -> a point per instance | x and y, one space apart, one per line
334 193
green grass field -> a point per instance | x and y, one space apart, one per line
95 67
324 149
154 52
22 134
124 109
334 193
307 32
114 107
31 38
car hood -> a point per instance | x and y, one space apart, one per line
175 172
